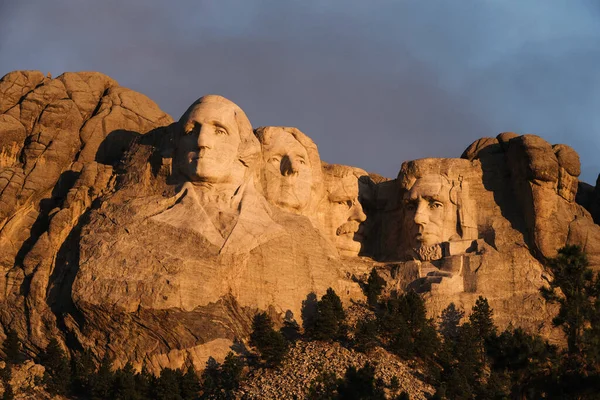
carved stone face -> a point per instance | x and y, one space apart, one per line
430 216
344 214
287 172
208 147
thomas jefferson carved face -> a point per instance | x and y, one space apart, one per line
345 213
287 171
430 216
208 147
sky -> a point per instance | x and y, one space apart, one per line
373 83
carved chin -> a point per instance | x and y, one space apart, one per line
347 246
288 199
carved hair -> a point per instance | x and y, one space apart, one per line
337 171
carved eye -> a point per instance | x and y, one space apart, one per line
302 161
220 131
275 159
345 203
410 206
435 205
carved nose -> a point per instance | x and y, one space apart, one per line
205 138
421 216
357 213
288 166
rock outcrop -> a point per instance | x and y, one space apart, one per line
25 381
157 241
60 140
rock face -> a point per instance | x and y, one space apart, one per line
59 139
157 241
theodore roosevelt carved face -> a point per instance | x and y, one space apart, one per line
344 213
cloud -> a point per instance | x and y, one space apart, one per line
372 83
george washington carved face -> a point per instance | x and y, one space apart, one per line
209 144
215 143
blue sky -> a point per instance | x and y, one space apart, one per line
373 83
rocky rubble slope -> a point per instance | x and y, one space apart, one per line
307 360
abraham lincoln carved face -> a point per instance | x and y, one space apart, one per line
429 214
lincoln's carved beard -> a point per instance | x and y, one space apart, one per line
429 253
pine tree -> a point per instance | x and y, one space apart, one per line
143 382
359 384
374 287
528 359
481 319
211 379
405 326
323 387
271 344
12 347
190 384
461 364
571 273
591 336
577 293
394 384
124 383
365 336
57 376
167 385
450 322
497 387
394 328
330 319
220 381
83 368
231 372
103 379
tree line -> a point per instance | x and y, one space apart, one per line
465 358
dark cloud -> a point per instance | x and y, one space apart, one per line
373 83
